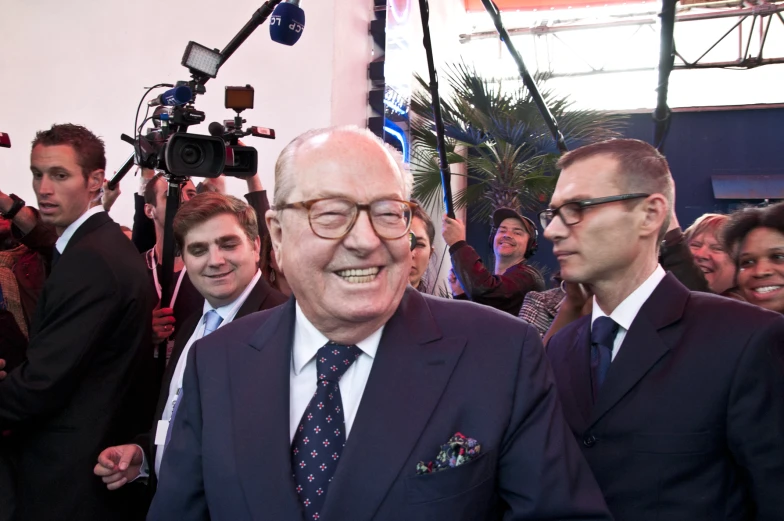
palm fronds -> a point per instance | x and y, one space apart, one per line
511 155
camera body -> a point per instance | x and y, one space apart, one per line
167 146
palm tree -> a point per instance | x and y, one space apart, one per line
511 155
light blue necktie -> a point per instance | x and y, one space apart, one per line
211 322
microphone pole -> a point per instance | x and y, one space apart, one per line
258 18
446 179
528 81
662 113
124 169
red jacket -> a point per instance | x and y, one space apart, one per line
505 292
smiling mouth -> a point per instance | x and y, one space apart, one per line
358 276
705 269
764 290
218 276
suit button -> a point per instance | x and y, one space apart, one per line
589 441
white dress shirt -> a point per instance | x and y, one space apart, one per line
62 241
304 377
227 313
624 314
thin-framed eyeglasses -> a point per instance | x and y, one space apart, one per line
573 212
334 217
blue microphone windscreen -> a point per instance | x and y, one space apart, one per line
287 23
176 96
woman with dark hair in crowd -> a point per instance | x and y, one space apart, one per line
424 233
706 245
755 236
269 268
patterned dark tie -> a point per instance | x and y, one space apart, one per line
603 333
318 442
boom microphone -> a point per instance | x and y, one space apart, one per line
216 129
176 96
287 22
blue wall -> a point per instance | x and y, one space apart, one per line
699 145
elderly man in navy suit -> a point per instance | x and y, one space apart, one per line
361 399
676 397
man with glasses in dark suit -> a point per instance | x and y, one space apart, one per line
675 396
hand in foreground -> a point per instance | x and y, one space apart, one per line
162 324
452 230
108 197
3 374
119 465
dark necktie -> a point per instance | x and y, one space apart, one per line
55 256
318 442
603 333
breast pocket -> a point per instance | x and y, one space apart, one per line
668 443
444 484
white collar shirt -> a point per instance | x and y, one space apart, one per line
625 313
303 376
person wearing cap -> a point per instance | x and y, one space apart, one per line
513 243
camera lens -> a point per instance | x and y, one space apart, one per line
192 155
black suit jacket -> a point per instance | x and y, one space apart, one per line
688 424
75 394
435 373
261 297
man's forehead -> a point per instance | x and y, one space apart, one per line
355 160
587 178
512 223
53 155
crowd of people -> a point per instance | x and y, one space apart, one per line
310 375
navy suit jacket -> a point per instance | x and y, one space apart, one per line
688 424
435 373
261 297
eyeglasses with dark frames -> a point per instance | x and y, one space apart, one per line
334 217
572 213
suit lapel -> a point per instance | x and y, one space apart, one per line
260 412
410 372
92 223
255 299
644 344
579 360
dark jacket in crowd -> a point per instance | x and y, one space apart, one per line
74 394
143 233
688 422
505 292
676 257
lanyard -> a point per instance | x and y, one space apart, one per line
152 263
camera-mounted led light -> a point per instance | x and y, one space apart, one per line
200 59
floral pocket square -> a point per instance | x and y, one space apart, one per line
457 451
